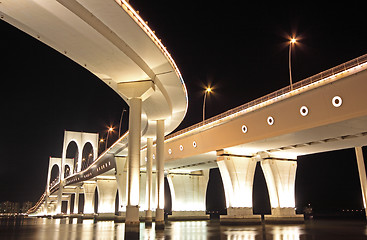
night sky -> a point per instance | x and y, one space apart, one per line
239 49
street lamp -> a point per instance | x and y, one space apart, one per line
110 129
291 42
207 91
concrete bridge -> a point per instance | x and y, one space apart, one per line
322 113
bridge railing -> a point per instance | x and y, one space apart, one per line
310 80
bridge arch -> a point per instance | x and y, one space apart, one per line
54 173
87 155
73 152
66 171
81 139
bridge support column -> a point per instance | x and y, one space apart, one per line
68 209
89 189
238 177
148 195
280 176
159 214
136 92
121 179
106 198
188 193
362 175
76 201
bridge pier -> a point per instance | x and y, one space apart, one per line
159 212
89 189
280 176
148 194
188 193
121 179
136 92
76 201
68 209
362 175
238 175
106 198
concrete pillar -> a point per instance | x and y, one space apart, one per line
106 198
68 209
148 195
59 197
76 201
121 178
89 189
136 92
362 174
189 195
159 218
133 184
238 177
280 176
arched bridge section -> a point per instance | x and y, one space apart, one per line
113 42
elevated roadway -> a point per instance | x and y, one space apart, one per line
113 42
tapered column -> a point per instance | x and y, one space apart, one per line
238 176
68 211
280 176
76 201
149 164
362 174
59 193
121 178
188 193
159 219
89 189
107 189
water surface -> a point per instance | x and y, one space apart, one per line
69 229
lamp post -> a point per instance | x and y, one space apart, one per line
292 41
110 129
207 91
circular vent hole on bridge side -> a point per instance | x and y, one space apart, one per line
337 101
304 111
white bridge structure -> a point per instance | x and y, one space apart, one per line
322 113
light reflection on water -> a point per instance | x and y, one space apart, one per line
71 229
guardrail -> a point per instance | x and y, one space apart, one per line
310 80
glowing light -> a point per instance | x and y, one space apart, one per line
208 90
293 40
303 111
244 128
337 101
270 120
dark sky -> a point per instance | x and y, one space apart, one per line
238 48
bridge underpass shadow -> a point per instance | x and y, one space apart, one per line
216 200
260 194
